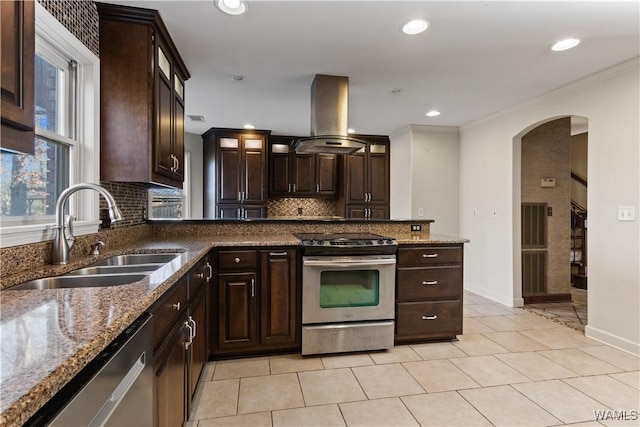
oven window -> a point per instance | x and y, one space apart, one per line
353 288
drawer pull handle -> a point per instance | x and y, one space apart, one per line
434 317
429 255
236 260
176 306
430 282
277 253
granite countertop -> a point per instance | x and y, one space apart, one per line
48 336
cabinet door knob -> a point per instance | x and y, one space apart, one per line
430 282
176 306
199 275
434 317
429 255
236 260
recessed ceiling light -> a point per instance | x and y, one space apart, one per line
249 126
415 26
565 44
433 113
232 7
396 90
351 130
238 77
195 118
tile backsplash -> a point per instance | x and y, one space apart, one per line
300 207
80 17
132 199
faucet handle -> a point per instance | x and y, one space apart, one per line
95 248
68 231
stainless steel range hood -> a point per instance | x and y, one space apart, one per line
329 118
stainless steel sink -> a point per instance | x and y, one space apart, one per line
116 269
79 281
132 259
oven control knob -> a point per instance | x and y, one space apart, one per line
390 241
321 242
310 242
381 242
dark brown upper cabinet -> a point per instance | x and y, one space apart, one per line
300 175
235 173
364 180
18 50
142 98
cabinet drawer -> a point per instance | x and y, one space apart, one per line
167 313
438 319
237 260
426 255
415 284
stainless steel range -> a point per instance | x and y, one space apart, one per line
348 292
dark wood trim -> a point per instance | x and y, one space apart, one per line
580 179
541 299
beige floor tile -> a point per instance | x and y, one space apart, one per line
535 366
439 375
217 399
531 321
444 409
241 368
320 416
467 311
260 419
616 357
561 400
608 391
207 371
381 412
346 360
478 345
501 323
330 386
438 350
489 371
294 363
555 338
473 326
382 381
504 406
515 341
491 309
402 353
580 362
269 393
629 378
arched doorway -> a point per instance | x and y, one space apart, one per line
549 218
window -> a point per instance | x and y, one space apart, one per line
66 137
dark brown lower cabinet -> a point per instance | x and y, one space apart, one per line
180 343
429 291
170 385
256 301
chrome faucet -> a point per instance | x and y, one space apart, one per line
64 239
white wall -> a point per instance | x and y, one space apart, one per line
400 174
425 174
193 144
490 179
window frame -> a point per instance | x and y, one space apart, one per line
85 154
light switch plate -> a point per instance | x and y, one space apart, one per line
626 213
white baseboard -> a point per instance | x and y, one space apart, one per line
612 340
499 298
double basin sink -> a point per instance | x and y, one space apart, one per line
117 270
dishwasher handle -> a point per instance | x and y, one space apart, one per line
120 392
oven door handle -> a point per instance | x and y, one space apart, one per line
350 263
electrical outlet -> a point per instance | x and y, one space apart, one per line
416 227
420 212
299 211
474 212
626 213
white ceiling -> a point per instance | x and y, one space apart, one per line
478 57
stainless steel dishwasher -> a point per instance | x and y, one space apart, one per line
119 389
